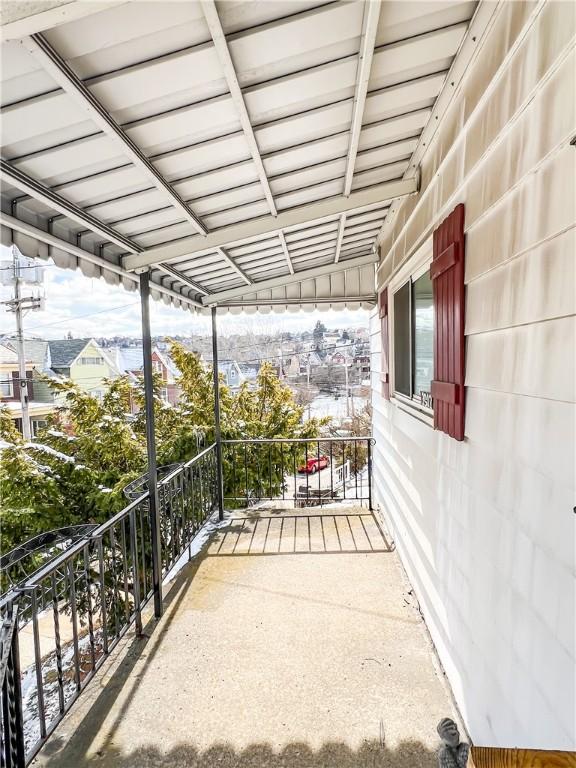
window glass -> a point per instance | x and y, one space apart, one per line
423 345
37 425
402 340
5 386
414 339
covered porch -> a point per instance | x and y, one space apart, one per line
292 639
228 157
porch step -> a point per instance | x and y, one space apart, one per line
489 757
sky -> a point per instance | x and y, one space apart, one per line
90 307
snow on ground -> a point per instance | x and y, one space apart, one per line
196 545
328 405
49 664
50 685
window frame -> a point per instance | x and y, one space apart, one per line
85 360
414 267
9 383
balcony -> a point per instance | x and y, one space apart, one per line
288 637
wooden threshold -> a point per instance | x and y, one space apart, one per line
489 757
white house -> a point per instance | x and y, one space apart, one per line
474 456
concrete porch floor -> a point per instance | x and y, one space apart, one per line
291 641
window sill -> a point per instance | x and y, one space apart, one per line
422 414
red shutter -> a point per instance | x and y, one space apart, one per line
447 273
30 385
384 368
15 386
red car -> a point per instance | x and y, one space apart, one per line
313 465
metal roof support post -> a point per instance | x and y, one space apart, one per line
217 434
151 444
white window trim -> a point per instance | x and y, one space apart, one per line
9 383
413 268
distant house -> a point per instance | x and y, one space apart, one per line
289 366
362 362
84 362
130 361
300 364
338 358
331 338
233 376
249 372
40 397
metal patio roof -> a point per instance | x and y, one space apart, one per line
247 151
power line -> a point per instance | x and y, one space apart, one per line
78 317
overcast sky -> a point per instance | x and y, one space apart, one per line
90 307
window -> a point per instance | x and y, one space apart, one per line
414 339
91 360
157 366
37 425
5 386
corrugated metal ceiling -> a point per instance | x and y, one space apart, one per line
151 126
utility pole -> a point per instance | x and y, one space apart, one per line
22 381
20 304
347 391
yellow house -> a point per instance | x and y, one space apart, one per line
84 362
40 400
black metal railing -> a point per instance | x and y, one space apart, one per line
305 472
22 561
12 751
82 602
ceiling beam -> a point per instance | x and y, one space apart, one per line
53 200
223 53
48 197
312 213
369 28
45 237
341 228
167 269
58 69
297 277
231 263
20 19
368 299
286 251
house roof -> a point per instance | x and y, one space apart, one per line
7 354
35 350
249 372
131 359
249 152
63 352
227 364
127 358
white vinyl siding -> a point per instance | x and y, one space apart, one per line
485 527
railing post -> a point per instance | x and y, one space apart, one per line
370 507
12 718
151 444
217 434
